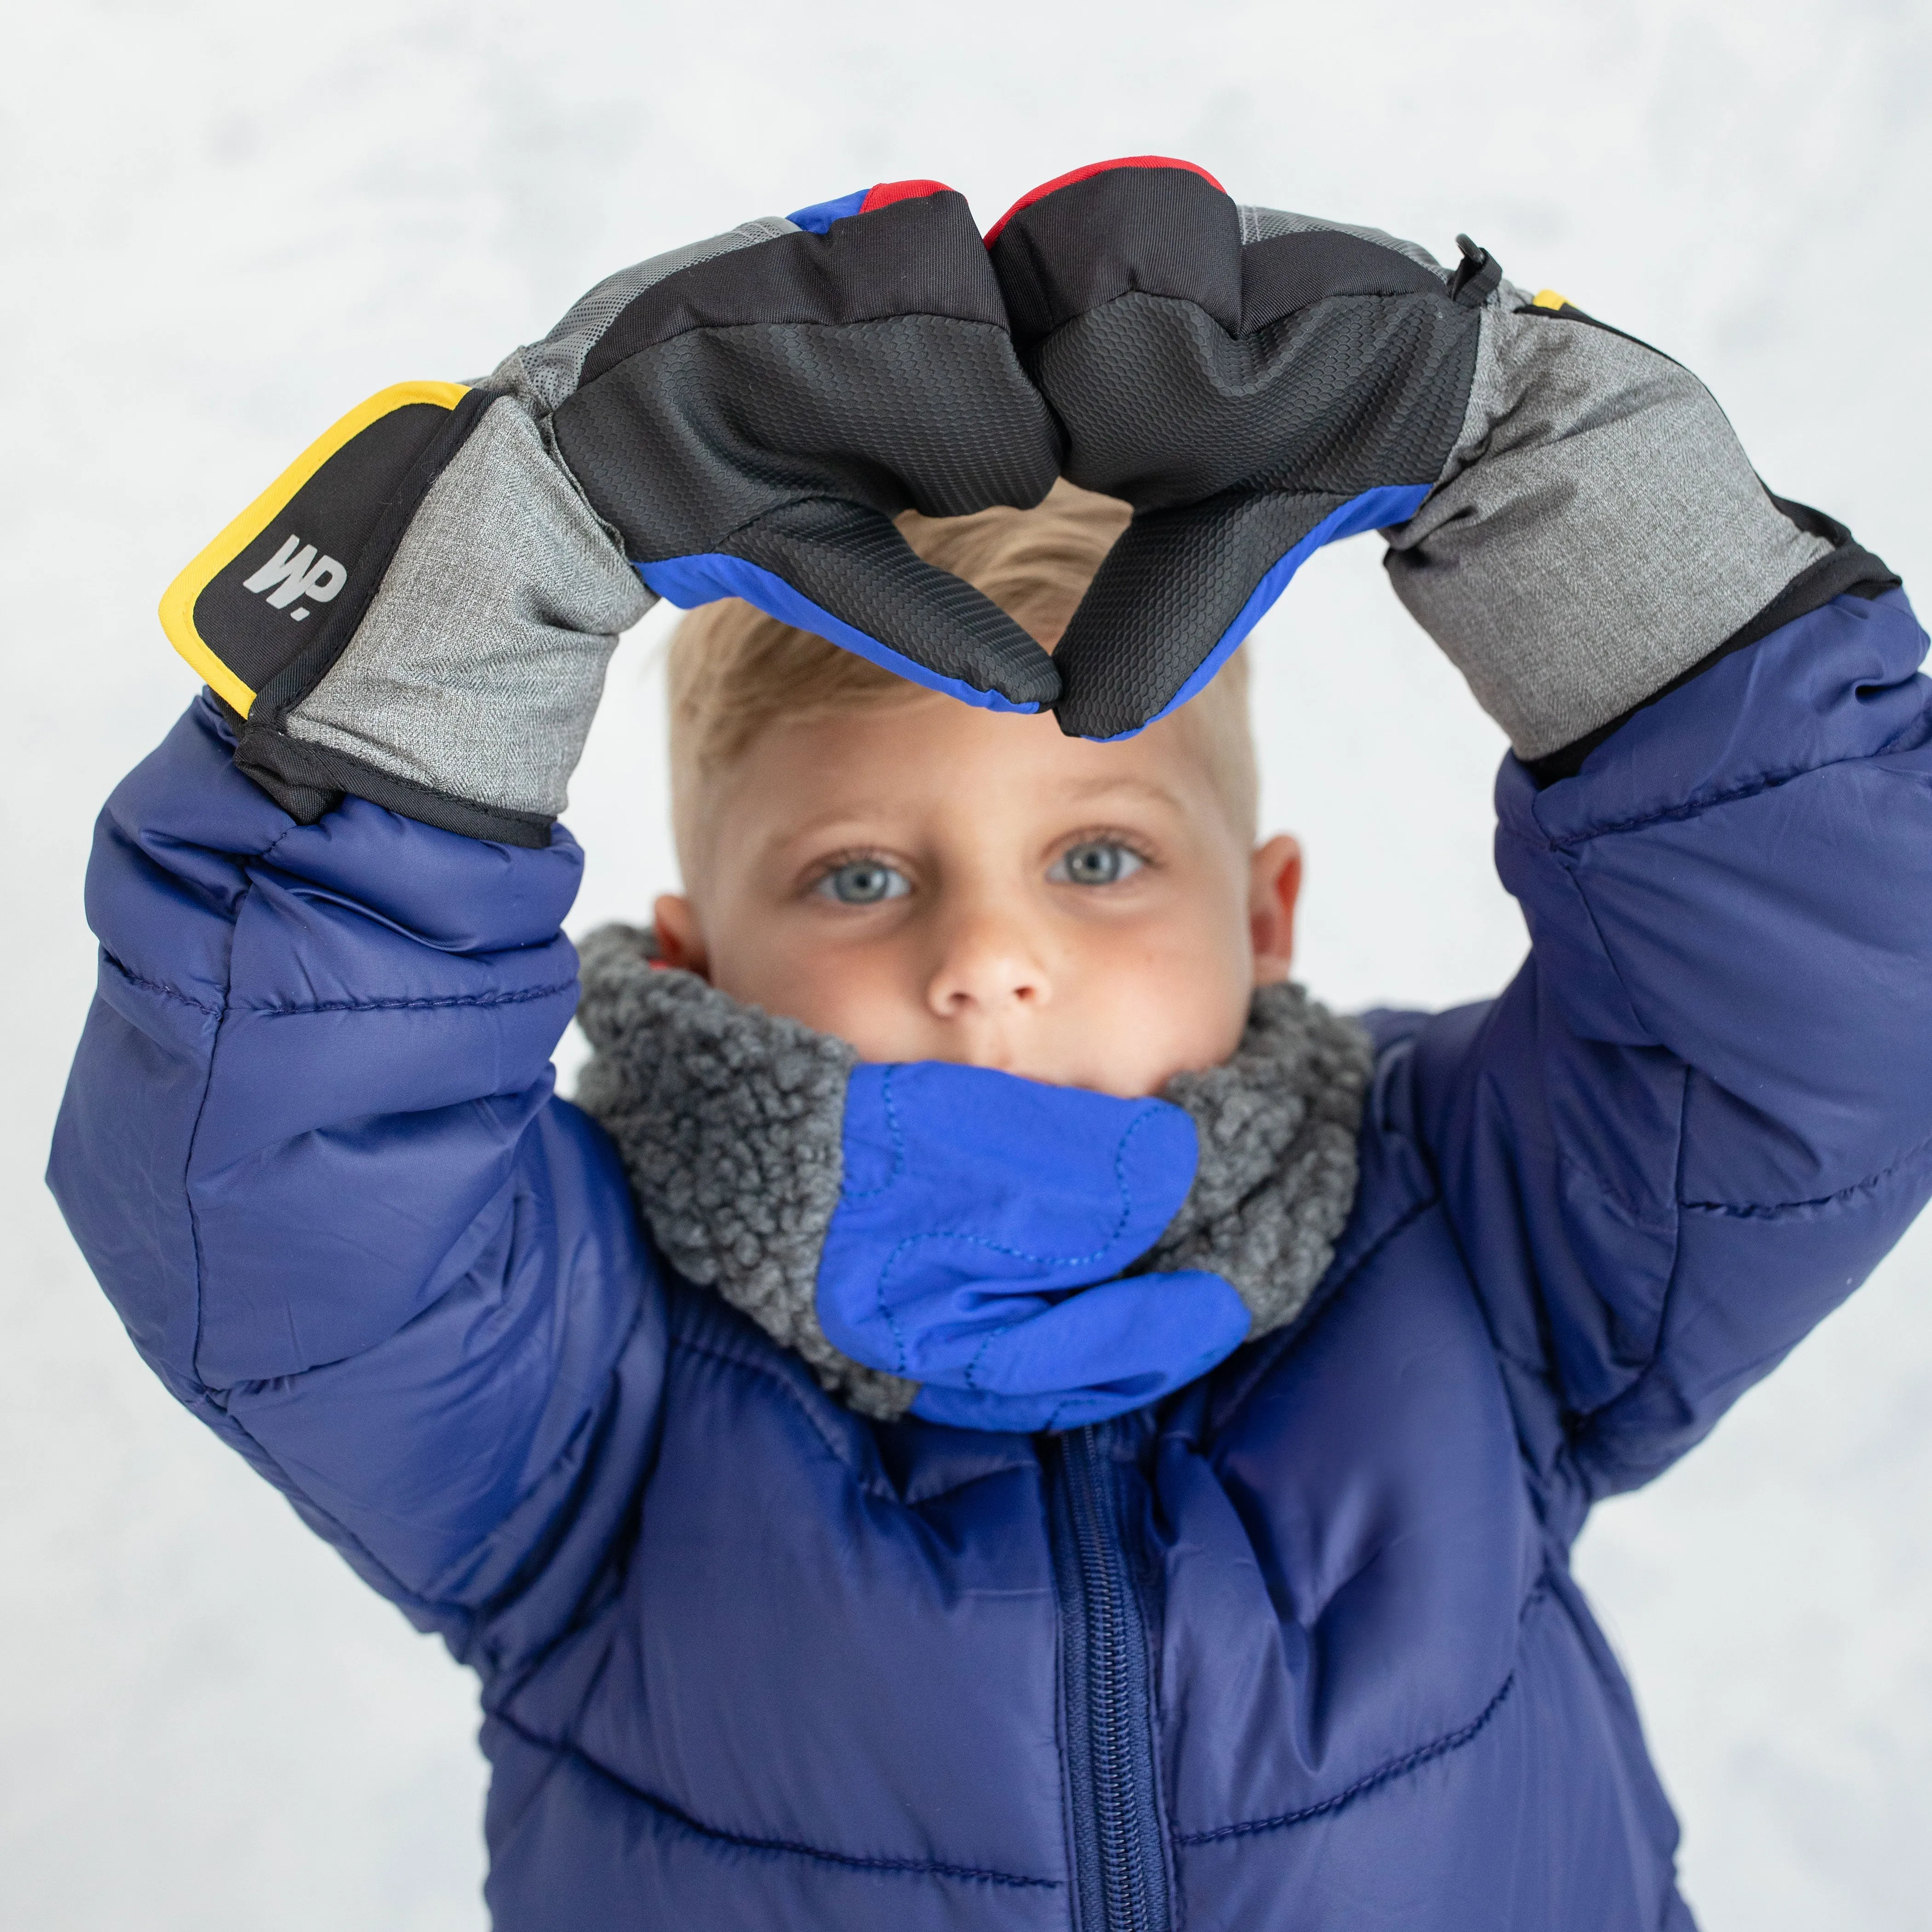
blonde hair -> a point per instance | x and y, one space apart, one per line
734 672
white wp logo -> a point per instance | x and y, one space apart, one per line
298 572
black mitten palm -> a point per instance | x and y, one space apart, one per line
1577 525
420 611
1254 394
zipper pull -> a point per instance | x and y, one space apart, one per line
1476 274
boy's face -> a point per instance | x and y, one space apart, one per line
929 881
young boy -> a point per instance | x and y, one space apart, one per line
1017 1417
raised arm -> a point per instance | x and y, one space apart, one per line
1703 1112
309 1145
1704 1109
309 1148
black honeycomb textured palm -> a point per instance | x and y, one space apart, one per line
850 559
1234 449
1162 406
790 443
1158 604
685 442
1232 438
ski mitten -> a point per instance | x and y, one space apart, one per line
420 611
1569 513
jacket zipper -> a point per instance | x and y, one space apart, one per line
1120 1862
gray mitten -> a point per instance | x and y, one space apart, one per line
419 612
1570 516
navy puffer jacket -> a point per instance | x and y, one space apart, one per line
1298 1645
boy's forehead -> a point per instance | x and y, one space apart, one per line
1146 787
934 767
851 795
939 750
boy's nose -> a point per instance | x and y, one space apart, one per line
987 968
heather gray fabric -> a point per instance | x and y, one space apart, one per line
478 668
730 1124
1598 529
1278 1127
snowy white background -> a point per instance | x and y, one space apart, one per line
221 224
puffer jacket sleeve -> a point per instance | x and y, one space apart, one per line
1703 1111
309 1148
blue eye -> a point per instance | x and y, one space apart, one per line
863 882
1098 862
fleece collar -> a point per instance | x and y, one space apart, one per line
979 1249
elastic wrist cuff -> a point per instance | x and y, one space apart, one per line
308 779
1849 571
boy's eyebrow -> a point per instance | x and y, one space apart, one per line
1074 791
781 840
1145 788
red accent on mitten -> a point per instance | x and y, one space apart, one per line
1059 182
887 192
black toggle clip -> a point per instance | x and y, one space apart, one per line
1476 274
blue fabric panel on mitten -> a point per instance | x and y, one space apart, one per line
1375 509
1095 1353
821 214
689 581
983 1222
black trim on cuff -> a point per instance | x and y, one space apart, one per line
306 780
1849 571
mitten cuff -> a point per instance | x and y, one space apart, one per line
478 669
1600 531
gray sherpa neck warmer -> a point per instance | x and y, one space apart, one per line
731 1124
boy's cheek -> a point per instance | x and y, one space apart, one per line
1137 1020
863 994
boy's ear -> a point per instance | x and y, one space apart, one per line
679 942
1274 884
